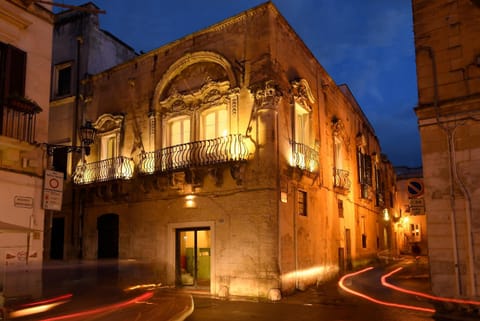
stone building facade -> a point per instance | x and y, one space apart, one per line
24 84
232 162
411 220
448 112
80 48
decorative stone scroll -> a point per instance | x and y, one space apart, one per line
302 93
268 96
212 93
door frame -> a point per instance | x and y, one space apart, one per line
171 250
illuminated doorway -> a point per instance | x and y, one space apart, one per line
193 255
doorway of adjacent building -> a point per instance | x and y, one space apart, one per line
107 227
57 238
193 249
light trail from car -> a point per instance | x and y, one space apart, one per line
341 284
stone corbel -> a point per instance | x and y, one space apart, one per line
237 171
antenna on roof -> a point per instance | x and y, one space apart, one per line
68 6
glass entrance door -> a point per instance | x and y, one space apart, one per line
193 257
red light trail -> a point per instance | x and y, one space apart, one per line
342 285
143 297
424 295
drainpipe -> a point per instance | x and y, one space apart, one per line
454 178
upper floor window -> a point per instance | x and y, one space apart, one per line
63 79
178 131
17 117
214 123
302 125
302 203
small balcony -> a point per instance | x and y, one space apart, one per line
117 168
18 118
341 179
304 157
231 148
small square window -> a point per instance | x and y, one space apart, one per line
302 203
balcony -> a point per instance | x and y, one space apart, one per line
341 179
117 168
304 157
18 118
231 148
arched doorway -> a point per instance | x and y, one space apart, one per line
107 227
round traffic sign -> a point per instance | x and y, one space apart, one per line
415 188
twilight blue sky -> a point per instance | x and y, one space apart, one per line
367 44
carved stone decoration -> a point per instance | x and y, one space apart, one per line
302 93
108 122
339 132
361 140
238 172
217 174
269 96
183 64
211 93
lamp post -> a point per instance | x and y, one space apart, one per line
87 137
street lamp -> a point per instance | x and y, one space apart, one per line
87 137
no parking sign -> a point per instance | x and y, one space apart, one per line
415 188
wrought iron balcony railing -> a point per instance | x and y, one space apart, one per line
304 157
117 168
231 148
341 179
19 118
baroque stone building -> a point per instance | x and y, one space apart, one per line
448 112
229 160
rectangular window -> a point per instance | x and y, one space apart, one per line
108 148
179 131
302 203
301 125
363 228
215 123
63 80
340 208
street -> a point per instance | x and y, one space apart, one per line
358 296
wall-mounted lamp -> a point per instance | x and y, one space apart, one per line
87 137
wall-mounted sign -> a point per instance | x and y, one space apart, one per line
417 202
23 201
53 190
415 188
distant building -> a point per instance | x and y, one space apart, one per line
25 59
411 222
80 49
448 75
230 161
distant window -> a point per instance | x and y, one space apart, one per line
340 208
302 203
63 80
